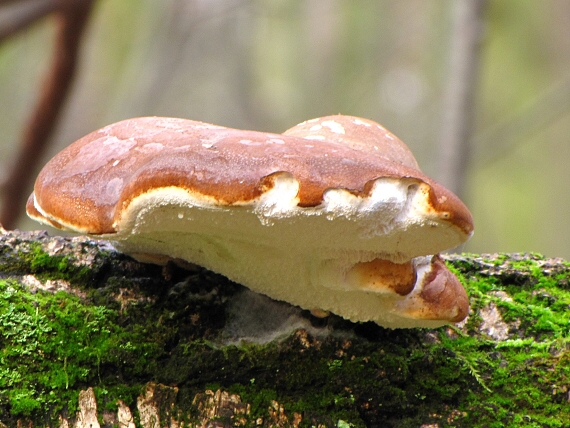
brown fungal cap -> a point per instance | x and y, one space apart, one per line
360 134
439 296
369 137
101 173
322 207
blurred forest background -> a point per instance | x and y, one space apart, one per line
269 64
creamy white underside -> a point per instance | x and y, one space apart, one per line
299 255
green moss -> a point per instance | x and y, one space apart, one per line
56 266
524 377
53 344
361 378
22 256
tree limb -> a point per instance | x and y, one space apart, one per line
16 18
72 20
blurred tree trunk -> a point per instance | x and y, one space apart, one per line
459 97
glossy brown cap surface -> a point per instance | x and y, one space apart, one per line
88 185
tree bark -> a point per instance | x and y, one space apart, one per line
89 337
459 98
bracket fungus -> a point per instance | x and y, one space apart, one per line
332 215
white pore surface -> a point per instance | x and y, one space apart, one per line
299 255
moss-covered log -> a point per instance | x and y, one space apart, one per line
90 336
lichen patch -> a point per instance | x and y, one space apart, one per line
493 323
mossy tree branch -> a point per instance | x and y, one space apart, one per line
81 323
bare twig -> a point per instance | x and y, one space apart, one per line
18 17
72 20
454 149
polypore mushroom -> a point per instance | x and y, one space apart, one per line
332 215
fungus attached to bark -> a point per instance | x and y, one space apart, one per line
334 214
